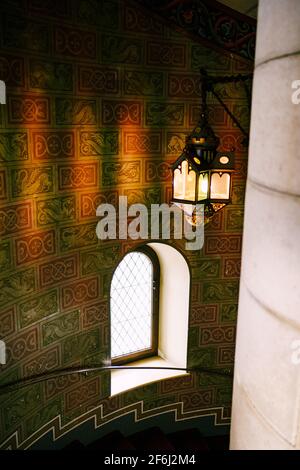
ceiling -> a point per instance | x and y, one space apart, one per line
248 7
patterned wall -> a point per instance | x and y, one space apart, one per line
100 96
209 21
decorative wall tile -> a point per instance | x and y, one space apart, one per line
99 143
79 346
238 193
226 355
90 201
232 267
177 384
42 363
98 79
37 308
22 33
216 114
235 219
28 109
7 322
56 8
22 346
93 315
145 83
94 261
47 75
176 142
184 86
202 357
16 286
77 176
217 335
195 292
234 140
220 291
223 244
13 146
60 384
166 54
29 181
214 61
75 43
104 14
241 167
157 171
121 173
229 312
208 268
15 218
3 185
197 400
193 339
212 379
76 294
224 395
42 416
203 314
59 270
78 236
158 401
5 257
142 143
161 114
55 210
216 224
242 113
125 113
143 196
60 327
12 70
34 246
83 393
135 19
145 392
75 112
120 49
53 145
18 406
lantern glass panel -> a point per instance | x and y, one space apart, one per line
202 186
184 183
220 186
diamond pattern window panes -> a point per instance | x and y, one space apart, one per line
131 305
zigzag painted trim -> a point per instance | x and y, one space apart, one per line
96 414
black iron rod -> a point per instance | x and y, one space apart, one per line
25 382
229 79
229 113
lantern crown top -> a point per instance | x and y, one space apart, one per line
203 135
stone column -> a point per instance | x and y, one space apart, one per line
266 398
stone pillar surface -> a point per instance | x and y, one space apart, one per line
266 394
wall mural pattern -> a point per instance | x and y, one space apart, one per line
100 96
210 21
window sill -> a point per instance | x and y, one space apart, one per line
123 380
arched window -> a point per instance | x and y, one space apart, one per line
134 298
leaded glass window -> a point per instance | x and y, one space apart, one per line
133 307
